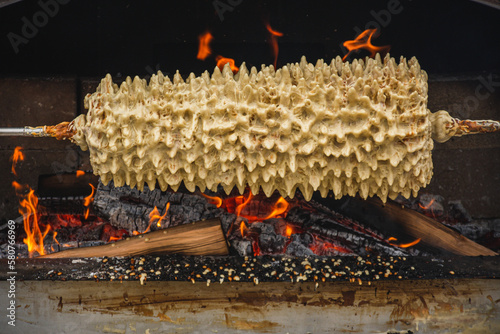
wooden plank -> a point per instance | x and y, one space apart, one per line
408 225
430 231
200 238
399 306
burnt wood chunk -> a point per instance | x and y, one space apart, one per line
432 232
399 220
129 208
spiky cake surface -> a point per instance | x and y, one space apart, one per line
360 127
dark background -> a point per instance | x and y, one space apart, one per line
91 38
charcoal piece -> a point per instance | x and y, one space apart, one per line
269 241
242 247
263 228
227 219
458 212
296 248
279 224
305 239
342 231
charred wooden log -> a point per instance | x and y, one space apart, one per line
343 232
435 237
129 208
315 229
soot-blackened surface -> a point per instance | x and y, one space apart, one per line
255 269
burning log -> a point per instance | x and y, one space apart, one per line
433 235
253 224
431 232
201 238
130 209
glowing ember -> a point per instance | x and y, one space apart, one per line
222 61
62 220
88 200
328 248
217 201
110 233
405 245
364 41
80 173
17 156
288 231
274 42
204 45
154 215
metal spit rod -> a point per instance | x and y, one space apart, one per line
26 131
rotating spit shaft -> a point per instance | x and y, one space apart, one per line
26 131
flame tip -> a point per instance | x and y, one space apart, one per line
363 41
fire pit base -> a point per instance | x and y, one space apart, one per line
423 306
420 295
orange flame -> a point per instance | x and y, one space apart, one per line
217 201
426 207
281 206
243 228
237 205
288 231
155 215
409 244
204 45
274 42
16 156
111 238
88 200
222 61
80 173
413 243
364 41
55 239
146 231
28 207
240 207
18 187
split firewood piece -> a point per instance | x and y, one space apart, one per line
430 231
199 238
